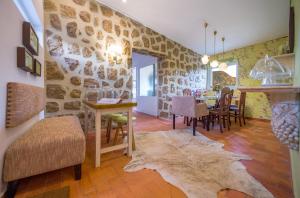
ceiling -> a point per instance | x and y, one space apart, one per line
242 22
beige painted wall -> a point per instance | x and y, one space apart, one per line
295 156
10 39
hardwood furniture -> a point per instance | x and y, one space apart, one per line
187 106
221 110
101 109
117 121
187 92
238 111
285 105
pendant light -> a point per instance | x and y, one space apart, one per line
214 63
205 57
223 66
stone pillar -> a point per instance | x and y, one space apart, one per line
285 118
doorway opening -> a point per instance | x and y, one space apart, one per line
144 79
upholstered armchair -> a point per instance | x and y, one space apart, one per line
187 106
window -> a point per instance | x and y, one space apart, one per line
147 81
227 77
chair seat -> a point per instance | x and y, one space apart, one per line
201 110
210 106
233 108
217 112
50 144
119 118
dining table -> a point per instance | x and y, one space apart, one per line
235 99
204 99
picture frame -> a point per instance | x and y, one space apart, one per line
25 60
37 69
30 39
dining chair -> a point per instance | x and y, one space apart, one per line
221 110
238 111
187 92
187 106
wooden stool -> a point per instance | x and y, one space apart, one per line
118 121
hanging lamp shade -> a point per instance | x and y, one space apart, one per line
214 63
205 57
223 66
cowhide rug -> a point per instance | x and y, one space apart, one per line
200 167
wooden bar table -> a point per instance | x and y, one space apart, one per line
125 106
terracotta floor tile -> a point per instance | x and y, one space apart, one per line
270 166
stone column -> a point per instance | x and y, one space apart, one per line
285 118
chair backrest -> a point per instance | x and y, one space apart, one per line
23 102
225 100
242 102
184 105
224 91
187 92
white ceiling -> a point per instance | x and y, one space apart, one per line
242 22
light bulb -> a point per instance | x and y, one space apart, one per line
214 64
223 66
114 50
124 1
205 59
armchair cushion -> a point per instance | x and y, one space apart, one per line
183 105
51 144
201 110
187 106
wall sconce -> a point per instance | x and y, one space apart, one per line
114 52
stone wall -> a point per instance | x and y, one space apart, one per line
257 104
77 34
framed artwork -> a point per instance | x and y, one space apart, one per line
37 69
30 39
25 60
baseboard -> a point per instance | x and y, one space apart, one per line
258 119
247 118
155 116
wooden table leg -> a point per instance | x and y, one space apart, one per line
86 116
130 131
98 138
